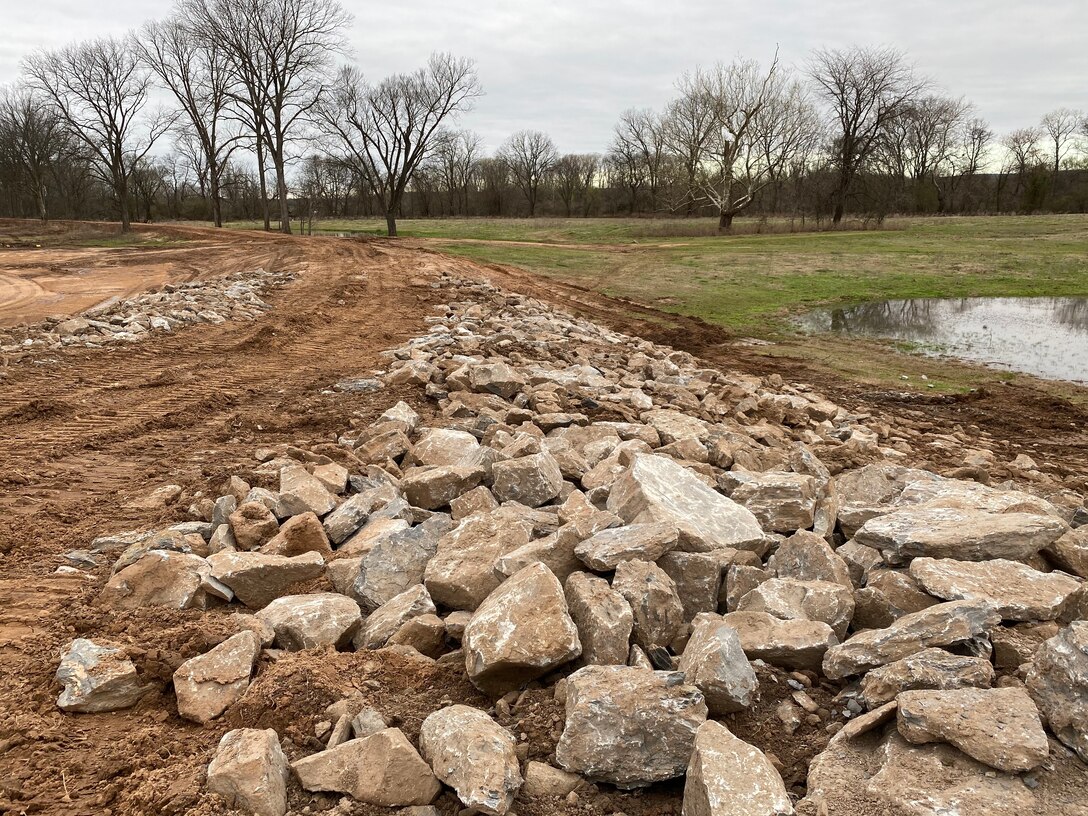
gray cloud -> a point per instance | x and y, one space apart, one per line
570 67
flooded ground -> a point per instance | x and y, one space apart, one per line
1047 337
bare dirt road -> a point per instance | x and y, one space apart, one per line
86 435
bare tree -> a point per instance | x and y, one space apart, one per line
457 155
278 52
1061 127
99 89
530 156
975 139
866 89
640 136
388 130
687 127
196 73
574 174
34 135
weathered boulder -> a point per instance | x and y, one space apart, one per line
941 625
805 556
161 578
928 669
629 727
530 480
656 488
312 621
258 579
698 579
207 685
497 378
97 678
474 755
384 621
299 534
441 446
714 662
381 769
253 524
999 727
964 534
789 644
644 542
651 594
302 492
673 426
1058 683
790 599
397 562
728 777
521 631
1015 590
782 502
1070 552
424 633
887 596
376 530
249 770
603 618
433 488
342 522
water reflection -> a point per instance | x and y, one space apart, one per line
1047 337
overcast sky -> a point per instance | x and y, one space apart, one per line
570 67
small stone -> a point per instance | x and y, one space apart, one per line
250 772
542 779
299 534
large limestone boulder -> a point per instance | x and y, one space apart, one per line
651 594
789 644
397 562
521 631
433 488
629 727
698 578
530 480
790 599
941 625
644 542
497 378
441 446
782 502
1058 683
657 489
474 755
250 772
805 556
928 669
1015 590
312 621
1070 552
673 426
461 574
299 534
161 578
728 777
258 579
384 621
714 661
964 534
381 769
97 678
207 685
301 492
999 727
603 618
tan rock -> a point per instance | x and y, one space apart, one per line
644 542
299 534
312 621
1070 552
258 579
782 502
603 618
531 480
250 772
887 596
714 662
928 669
384 621
441 446
805 556
161 578
728 777
253 524
698 579
301 492
790 599
542 779
789 644
207 685
651 594
1058 683
425 633
433 488
97 678
477 500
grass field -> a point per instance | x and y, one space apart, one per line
753 283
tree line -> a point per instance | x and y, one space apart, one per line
268 120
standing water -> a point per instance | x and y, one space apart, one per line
1047 337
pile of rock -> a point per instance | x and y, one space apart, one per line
654 540
127 320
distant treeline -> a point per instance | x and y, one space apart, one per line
266 123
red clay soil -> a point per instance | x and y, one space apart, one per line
85 435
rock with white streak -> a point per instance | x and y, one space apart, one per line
384 621
474 755
629 727
1058 682
461 574
805 556
440 446
258 579
789 644
928 669
249 771
657 489
380 769
1015 590
97 678
999 727
714 661
530 480
658 613
944 624
496 378
603 618
301 492
521 631
728 777
161 578
207 685
397 562
1070 552
312 621
790 599
644 542
782 502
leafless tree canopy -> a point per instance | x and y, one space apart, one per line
529 156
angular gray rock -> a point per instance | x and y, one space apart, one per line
603 618
790 599
249 770
312 621
530 480
384 621
656 488
97 678
1058 683
397 562
433 488
728 777
474 755
944 624
207 685
651 594
789 644
521 631
258 579
714 662
698 579
629 727
928 669
643 542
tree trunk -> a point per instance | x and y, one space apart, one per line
725 221
264 186
391 224
122 196
40 195
281 192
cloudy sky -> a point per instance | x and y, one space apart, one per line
570 67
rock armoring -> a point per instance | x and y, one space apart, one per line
678 560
